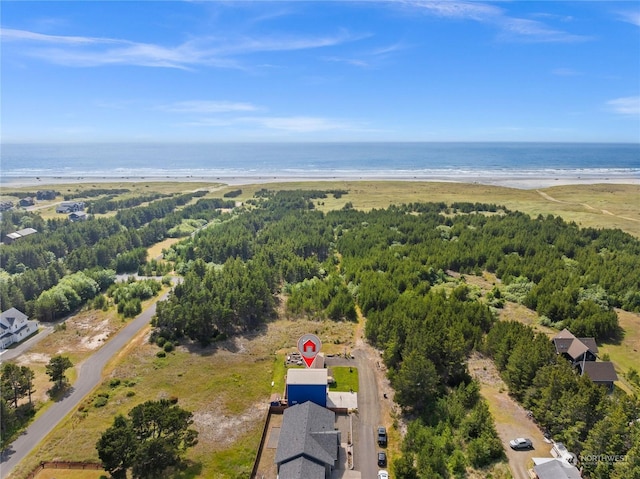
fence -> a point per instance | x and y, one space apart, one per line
64 465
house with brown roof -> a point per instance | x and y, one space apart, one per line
575 349
601 372
583 354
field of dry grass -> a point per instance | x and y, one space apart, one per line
227 386
597 205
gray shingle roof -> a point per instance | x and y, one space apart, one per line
600 371
308 430
10 315
301 468
556 470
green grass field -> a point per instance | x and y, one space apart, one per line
346 379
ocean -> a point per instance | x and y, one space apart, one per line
483 162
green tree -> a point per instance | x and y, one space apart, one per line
56 368
7 421
116 447
17 382
150 440
416 382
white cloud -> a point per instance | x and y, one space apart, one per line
629 105
291 124
298 124
8 34
95 51
512 28
204 106
630 17
349 61
454 9
565 72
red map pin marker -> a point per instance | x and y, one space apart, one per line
309 346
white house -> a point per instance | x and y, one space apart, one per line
14 327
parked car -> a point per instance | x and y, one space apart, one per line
521 443
382 436
383 474
382 459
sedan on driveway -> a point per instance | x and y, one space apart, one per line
383 475
521 443
382 459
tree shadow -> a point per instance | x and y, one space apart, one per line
187 470
614 338
60 392
231 343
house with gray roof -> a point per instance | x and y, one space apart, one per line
549 468
11 237
14 327
308 445
70 206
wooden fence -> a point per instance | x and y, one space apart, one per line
64 465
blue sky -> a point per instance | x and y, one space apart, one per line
320 71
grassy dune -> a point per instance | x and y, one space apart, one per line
597 205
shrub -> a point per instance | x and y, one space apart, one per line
168 347
101 401
161 354
114 383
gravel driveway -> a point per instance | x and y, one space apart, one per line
511 418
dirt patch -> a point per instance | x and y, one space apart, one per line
215 427
32 359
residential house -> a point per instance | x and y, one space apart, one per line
6 205
78 216
308 446
27 201
583 354
575 349
550 468
11 237
14 327
70 206
601 372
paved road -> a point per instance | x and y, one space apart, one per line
89 376
365 455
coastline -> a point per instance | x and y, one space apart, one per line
527 181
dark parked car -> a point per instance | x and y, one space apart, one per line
382 436
521 443
382 459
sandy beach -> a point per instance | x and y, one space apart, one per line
524 181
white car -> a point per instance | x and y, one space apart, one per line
521 443
383 475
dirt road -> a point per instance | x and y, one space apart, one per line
510 417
